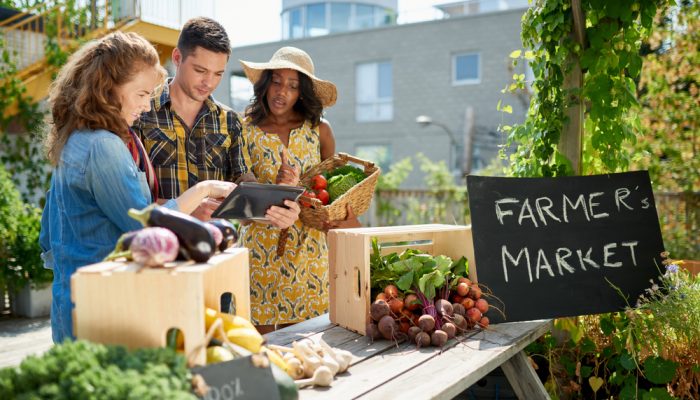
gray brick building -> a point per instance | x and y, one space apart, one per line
389 75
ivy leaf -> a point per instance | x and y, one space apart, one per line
627 362
606 325
657 394
629 391
595 382
659 370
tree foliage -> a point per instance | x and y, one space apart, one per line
669 146
610 62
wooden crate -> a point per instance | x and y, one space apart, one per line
124 303
349 258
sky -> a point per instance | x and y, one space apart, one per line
258 21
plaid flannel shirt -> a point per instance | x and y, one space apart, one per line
181 157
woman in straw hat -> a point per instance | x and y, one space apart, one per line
284 136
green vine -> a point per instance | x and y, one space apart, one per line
23 156
610 63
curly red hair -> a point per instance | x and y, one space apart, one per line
83 94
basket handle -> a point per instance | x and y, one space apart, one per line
364 163
312 201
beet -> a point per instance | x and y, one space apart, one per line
388 327
484 322
426 323
444 307
438 338
379 309
464 280
372 331
482 305
450 329
411 302
475 292
460 322
396 305
404 326
458 309
391 291
468 303
473 314
422 339
462 289
412 332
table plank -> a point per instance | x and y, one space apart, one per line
382 369
286 336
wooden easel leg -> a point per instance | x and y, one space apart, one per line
523 379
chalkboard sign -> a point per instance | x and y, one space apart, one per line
238 379
555 247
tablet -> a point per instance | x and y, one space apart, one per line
250 200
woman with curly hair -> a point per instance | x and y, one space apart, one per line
101 168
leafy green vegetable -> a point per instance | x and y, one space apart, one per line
347 169
84 370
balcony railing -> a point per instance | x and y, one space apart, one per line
24 34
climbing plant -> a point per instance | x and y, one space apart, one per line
610 62
22 154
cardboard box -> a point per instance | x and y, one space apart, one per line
349 253
124 303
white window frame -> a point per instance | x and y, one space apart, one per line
378 102
455 81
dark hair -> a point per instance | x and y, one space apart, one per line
308 104
205 33
83 94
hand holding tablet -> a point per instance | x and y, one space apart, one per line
252 200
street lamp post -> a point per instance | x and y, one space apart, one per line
424 120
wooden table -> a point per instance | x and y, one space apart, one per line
383 370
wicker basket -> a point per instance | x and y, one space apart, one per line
359 196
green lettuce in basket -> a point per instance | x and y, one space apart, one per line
342 179
356 172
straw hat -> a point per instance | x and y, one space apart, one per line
298 60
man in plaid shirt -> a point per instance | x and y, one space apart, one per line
189 136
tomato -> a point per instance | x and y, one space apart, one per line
310 194
324 196
318 182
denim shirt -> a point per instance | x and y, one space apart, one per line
94 185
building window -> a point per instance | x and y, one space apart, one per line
380 154
466 68
241 91
295 27
322 18
340 17
316 20
374 93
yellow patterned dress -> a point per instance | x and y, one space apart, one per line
294 287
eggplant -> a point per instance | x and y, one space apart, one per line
196 242
228 230
121 249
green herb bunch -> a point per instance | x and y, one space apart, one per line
84 370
